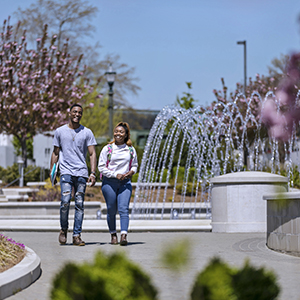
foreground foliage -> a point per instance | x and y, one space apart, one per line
111 277
219 281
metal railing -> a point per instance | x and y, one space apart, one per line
9 184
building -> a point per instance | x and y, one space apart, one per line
7 152
42 149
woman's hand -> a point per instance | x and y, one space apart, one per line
120 176
128 175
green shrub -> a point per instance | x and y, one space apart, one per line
111 277
135 177
155 177
295 176
12 172
189 189
47 192
214 282
34 174
218 281
252 283
180 176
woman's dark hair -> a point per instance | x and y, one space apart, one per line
126 127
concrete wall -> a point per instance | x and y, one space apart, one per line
283 222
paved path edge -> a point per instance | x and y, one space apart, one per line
21 275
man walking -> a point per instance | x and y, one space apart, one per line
71 143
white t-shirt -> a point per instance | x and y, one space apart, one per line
119 161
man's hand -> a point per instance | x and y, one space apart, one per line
92 179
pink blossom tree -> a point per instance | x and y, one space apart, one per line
281 116
276 113
37 86
249 103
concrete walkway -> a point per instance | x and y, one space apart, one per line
145 249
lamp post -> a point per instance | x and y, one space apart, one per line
21 171
245 64
110 77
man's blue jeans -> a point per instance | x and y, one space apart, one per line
117 195
67 182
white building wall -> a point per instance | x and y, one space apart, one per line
42 150
7 155
6 140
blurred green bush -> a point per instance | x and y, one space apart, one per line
219 281
109 277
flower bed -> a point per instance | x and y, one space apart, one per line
11 252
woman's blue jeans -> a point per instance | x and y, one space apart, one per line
67 183
117 195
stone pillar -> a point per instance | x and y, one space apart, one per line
237 203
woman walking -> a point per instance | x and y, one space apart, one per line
117 164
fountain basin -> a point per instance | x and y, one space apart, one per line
283 222
236 200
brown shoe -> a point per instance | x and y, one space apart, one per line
77 241
114 239
62 238
123 241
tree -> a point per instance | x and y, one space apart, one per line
278 67
187 101
67 19
261 84
97 118
37 86
29 147
282 117
71 19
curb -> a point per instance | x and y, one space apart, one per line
21 275
101 225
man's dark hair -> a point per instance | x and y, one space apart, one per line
76 104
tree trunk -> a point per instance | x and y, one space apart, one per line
24 151
246 153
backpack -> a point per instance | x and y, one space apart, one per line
110 150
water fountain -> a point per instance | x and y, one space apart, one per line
186 148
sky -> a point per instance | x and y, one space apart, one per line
171 42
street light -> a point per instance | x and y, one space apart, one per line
245 64
110 77
21 171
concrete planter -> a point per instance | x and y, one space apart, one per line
237 204
283 222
